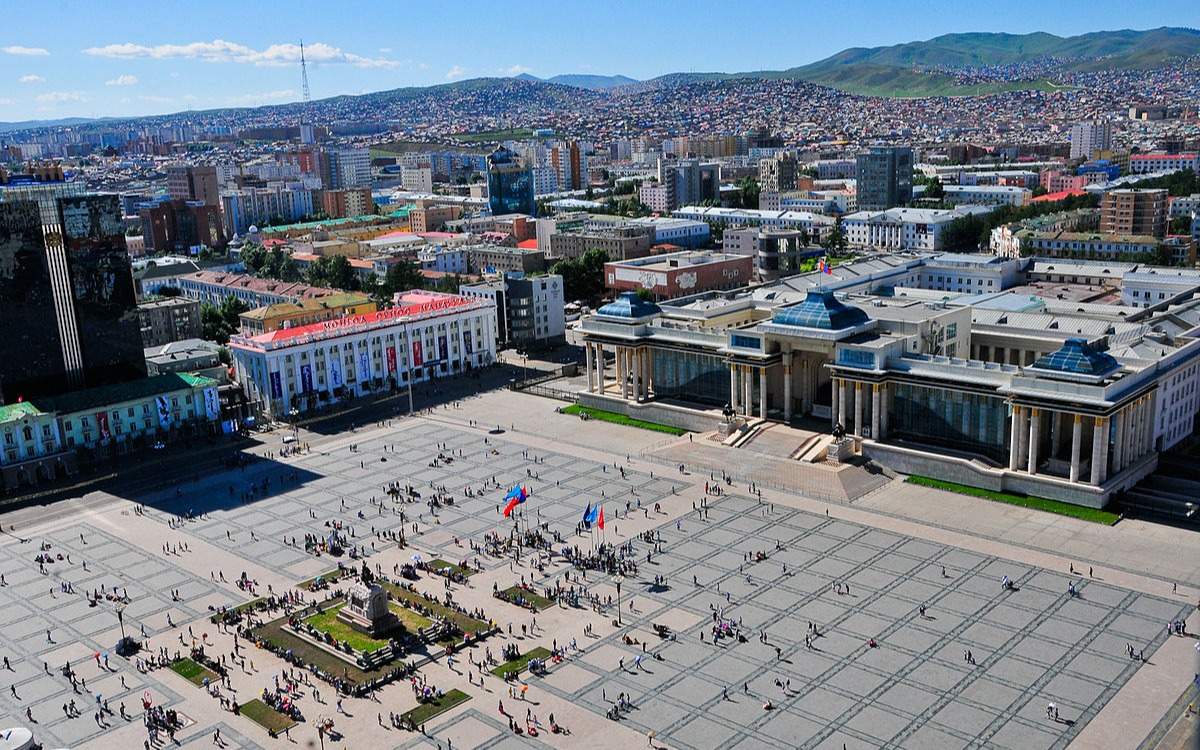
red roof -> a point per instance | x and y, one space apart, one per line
273 242
528 244
1060 195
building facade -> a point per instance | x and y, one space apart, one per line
679 274
510 184
427 335
884 177
166 319
1134 211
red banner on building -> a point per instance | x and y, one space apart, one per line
417 354
102 424
391 359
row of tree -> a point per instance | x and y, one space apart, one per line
969 233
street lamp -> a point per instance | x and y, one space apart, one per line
620 580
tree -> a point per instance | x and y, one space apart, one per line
750 190
218 323
583 277
835 242
934 189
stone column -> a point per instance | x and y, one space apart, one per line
1014 439
587 350
762 392
1148 444
884 396
1098 426
1035 427
858 408
1119 443
834 412
1055 433
649 371
875 411
787 388
1023 440
623 371
842 416
733 387
1076 437
1104 450
600 367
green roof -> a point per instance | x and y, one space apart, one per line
323 223
18 411
107 395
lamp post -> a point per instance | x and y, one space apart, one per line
619 581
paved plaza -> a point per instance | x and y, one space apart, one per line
1031 645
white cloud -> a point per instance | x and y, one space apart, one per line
219 50
279 95
125 80
515 70
7 102
25 51
455 72
57 97
31 78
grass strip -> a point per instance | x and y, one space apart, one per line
266 717
440 564
329 577
615 418
1084 513
517 665
465 622
427 711
539 602
327 622
193 671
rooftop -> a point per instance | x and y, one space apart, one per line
134 390
820 309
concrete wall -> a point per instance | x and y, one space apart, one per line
676 416
962 471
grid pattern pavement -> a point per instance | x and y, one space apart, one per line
28 609
1031 645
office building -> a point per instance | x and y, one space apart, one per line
619 242
1134 211
678 274
569 161
189 183
432 218
304 311
817 225
1089 137
986 195
426 335
778 174
166 319
510 184
903 228
103 297
503 259
687 233
884 177
261 207
1146 163
529 310
214 286
345 203
417 179
345 168
181 226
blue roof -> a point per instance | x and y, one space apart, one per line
1077 358
629 305
820 309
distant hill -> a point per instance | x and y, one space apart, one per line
583 80
6 127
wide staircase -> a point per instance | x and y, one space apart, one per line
1169 495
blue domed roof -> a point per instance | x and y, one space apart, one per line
1075 357
629 305
820 309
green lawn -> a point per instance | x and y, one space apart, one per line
328 577
328 622
1025 501
518 664
539 602
266 717
192 671
427 711
440 564
273 632
466 623
412 621
615 418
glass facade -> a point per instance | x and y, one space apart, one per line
106 311
690 376
27 308
970 422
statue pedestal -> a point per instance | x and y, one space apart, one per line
840 450
366 610
725 429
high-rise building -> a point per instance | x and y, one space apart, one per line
188 183
510 184
177 226
570 164
101 282
1134 211
884 177
777 174
1087 137
346 168
681 182
33 364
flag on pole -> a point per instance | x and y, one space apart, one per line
821 265
516 496
587 511
593 514
600 520
826 267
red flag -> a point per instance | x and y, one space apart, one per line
600 522
508 508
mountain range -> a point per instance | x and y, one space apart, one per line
927 68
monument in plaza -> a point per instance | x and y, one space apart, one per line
367 610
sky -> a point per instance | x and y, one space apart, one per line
101 58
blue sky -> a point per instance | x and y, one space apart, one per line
95 58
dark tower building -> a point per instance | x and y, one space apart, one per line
102 291
510 184
32 362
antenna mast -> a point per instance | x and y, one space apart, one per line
304 76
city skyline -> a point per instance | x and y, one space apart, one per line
249 57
